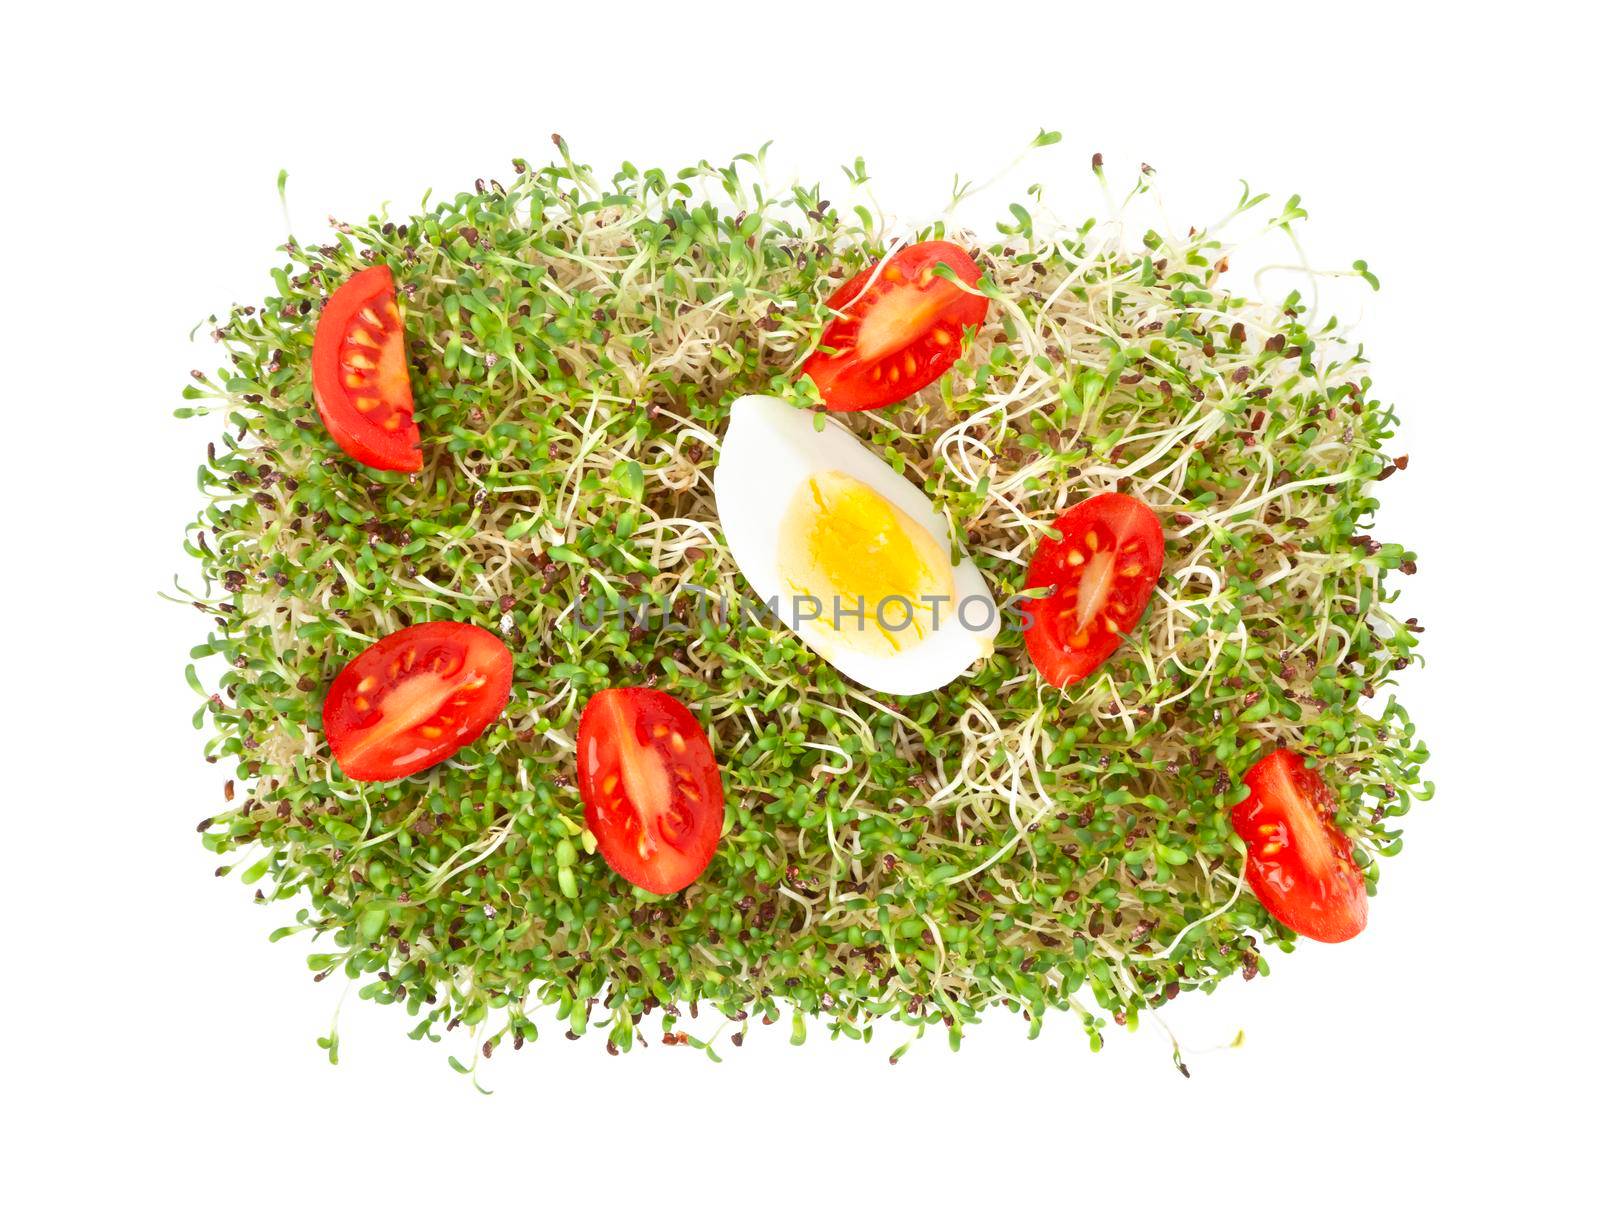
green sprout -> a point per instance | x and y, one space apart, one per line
575 343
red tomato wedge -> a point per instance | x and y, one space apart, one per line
359 375
1103 570
651 789
414 698
899 335
1299 864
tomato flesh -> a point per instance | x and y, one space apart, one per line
900 334
359 376
414 698
1299 863
1103 569
651 788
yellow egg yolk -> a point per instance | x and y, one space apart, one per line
880 579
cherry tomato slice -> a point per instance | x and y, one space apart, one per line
414 698
359 376
1103 570
651 789
1299 863
899 335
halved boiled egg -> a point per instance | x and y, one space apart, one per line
849 554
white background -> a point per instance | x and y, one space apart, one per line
158 1049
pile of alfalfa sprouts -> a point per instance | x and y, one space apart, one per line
575 341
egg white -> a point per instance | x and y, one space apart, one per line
770 450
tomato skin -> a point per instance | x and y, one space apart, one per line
415 698
360 380
651 788
1104 569
1299 863
901 334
